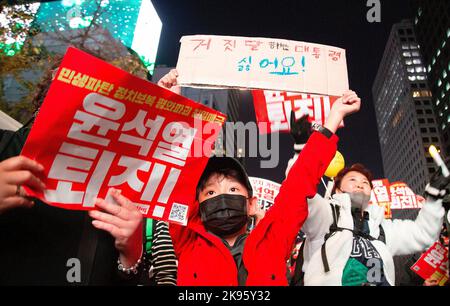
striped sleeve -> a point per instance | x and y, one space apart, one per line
164 259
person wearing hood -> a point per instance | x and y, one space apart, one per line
350 243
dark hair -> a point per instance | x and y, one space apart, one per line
355 167
226 173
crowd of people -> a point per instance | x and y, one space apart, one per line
346 241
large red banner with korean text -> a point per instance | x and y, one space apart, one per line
273 109
265 191
433 264
101 127
381 196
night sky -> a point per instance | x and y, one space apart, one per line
340 23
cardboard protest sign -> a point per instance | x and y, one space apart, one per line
262 63
101 127
265 191
433 263
274 108
381 196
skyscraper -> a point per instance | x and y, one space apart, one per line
432 25
405 116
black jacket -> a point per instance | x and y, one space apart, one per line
36 243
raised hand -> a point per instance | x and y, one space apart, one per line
169 81
348 104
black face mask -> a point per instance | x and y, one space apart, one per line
225 214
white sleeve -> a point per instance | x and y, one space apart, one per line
319 218
406 236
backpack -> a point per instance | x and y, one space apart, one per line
297 280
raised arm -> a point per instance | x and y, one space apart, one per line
407 236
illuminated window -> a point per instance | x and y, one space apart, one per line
410 69
444 74
415 53
407 54
419 69
447 86
408 62
417 61
405 47
416 94
421 77
412 77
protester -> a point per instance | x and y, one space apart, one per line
214 248
40 242
351 243
16 172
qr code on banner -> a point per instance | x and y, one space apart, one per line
178 213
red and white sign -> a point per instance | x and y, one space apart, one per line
402 197
381 196
100 127
274 108
433 264
265 191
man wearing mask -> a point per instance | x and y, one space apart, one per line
214 248
349 243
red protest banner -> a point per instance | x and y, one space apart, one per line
274 108
402 197
381 196
433 263
101 127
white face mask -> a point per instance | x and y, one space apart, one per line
359 200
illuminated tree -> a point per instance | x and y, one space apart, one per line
40 48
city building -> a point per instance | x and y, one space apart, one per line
405 116
432 26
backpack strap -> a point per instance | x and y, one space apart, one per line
334 228
335 211
382 236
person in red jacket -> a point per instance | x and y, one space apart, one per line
214 248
